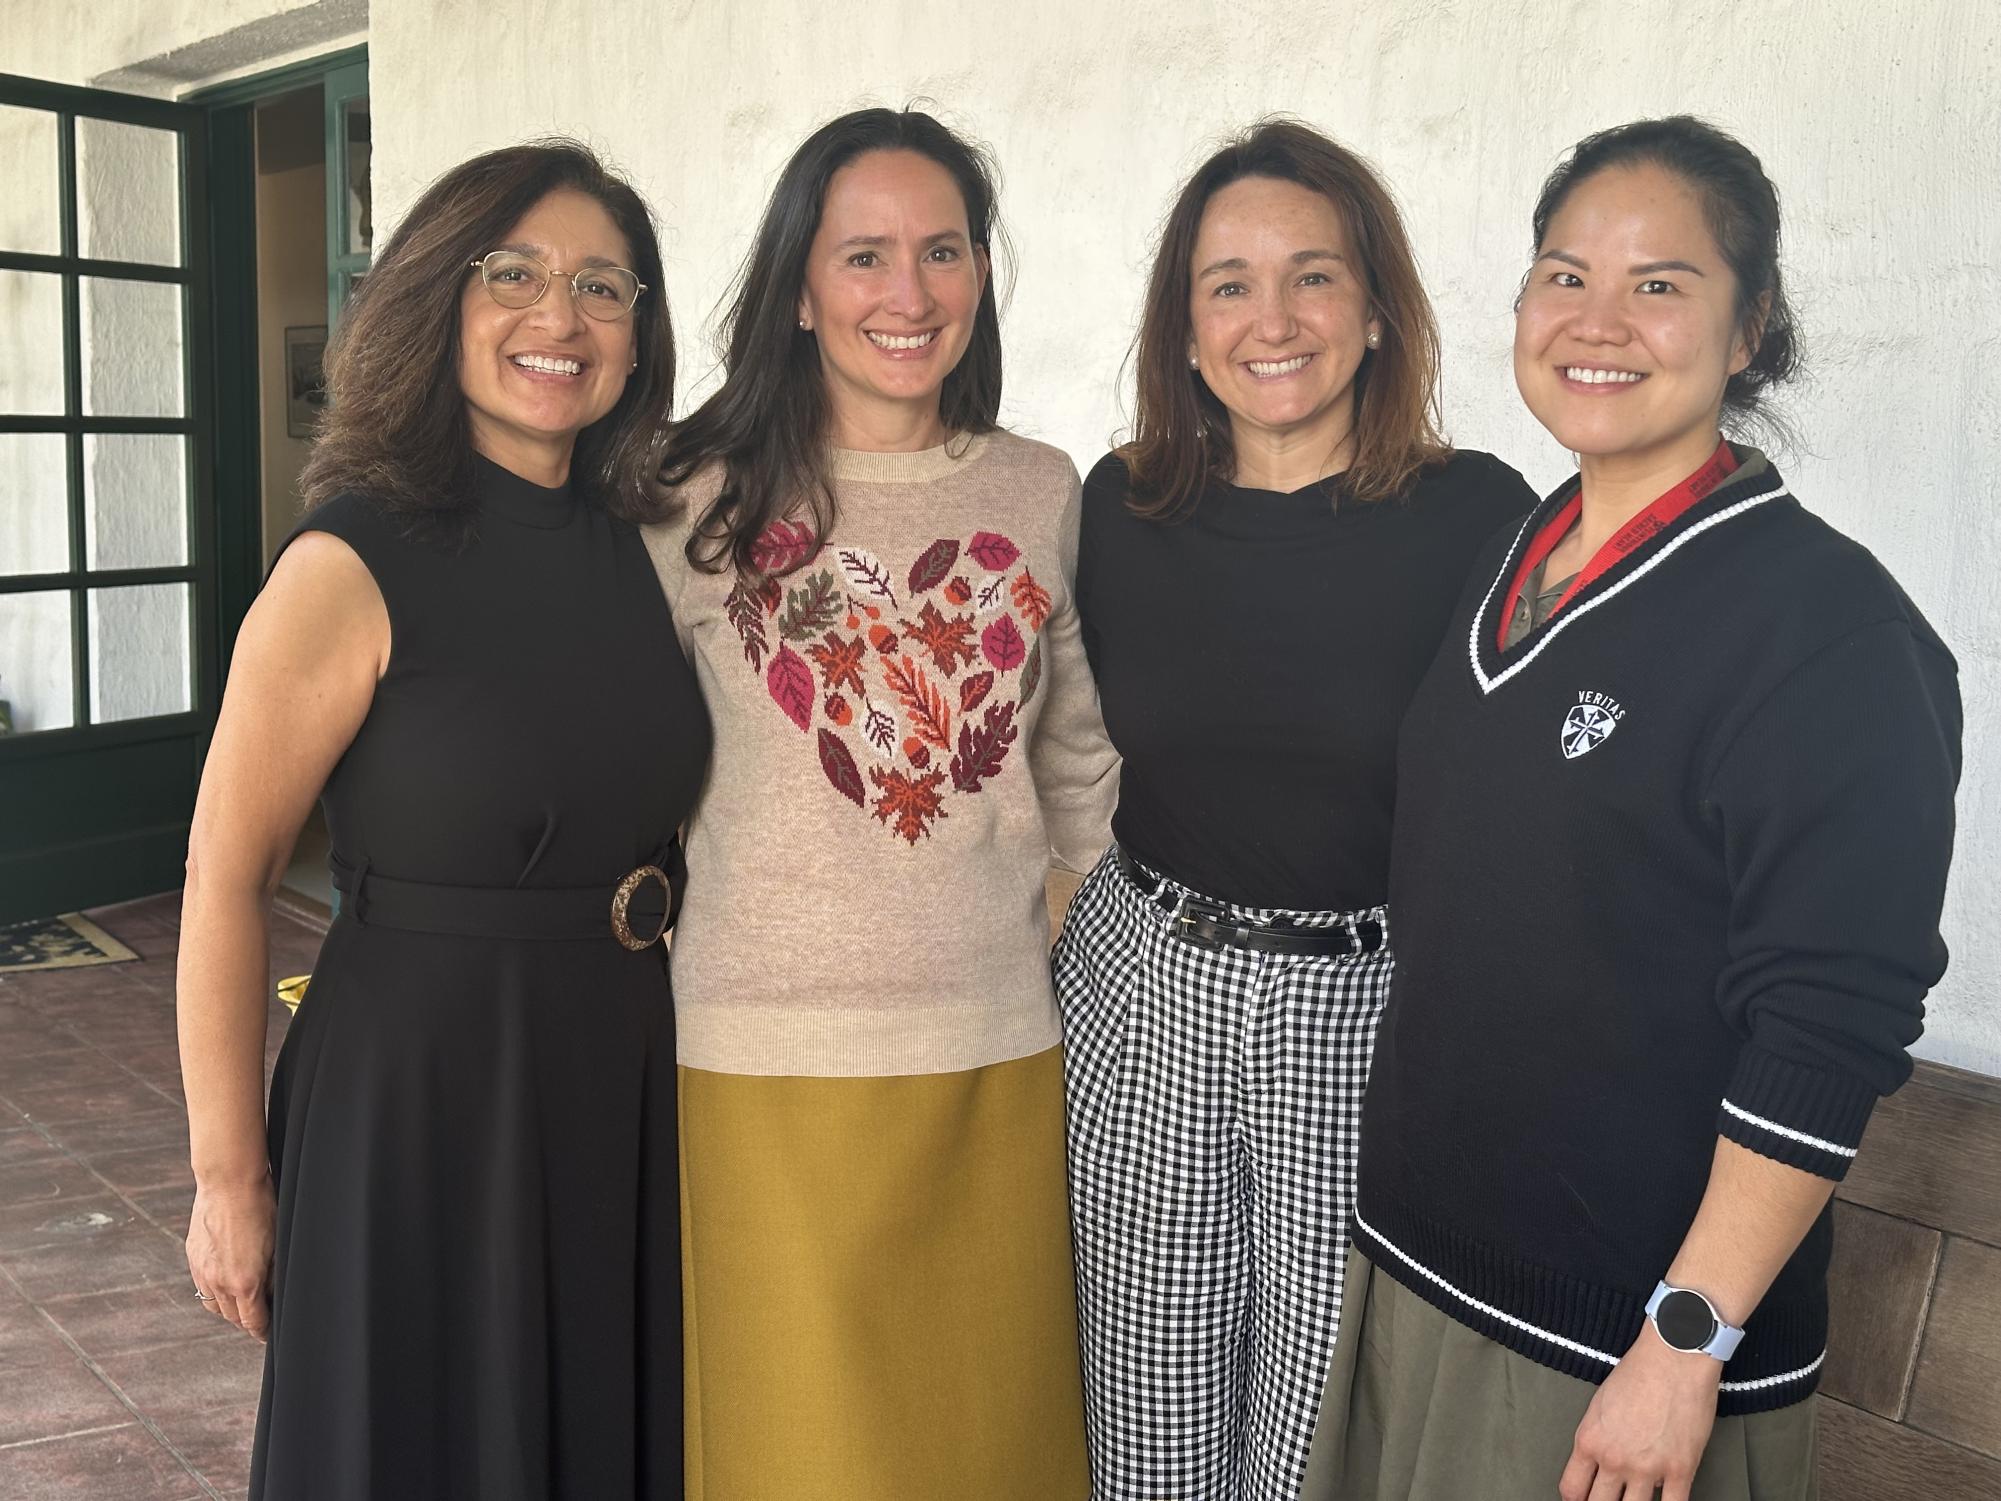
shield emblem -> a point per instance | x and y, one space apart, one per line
1585 727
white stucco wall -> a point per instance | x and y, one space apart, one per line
1881 123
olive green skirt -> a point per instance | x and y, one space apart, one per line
1421 1408
879 1301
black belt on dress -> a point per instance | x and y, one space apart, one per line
636 910
1211 925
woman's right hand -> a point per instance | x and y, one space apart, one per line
230 1238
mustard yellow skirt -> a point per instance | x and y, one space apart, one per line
879 1295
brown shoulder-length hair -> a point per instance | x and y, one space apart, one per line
396 429
1181 432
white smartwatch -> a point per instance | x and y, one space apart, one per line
1689 1322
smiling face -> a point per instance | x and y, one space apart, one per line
892 286
537 376
1628 328
1280 314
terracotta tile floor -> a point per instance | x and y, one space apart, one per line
114 1384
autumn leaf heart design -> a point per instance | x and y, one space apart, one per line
917 674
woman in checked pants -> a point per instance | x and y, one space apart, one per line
1265 572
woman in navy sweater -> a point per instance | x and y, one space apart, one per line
1674 817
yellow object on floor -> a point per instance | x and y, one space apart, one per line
879 1295
293 991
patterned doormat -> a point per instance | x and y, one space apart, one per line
66 942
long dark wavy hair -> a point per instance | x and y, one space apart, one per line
396 429
1181 433
1741 206
767 424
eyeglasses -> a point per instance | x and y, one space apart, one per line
514 279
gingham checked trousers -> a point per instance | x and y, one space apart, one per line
1215 1100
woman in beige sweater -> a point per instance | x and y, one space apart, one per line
874 583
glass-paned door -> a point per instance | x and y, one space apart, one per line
107 639
350 200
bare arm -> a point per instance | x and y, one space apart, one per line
303 676
1651 1419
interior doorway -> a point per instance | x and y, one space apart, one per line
309 207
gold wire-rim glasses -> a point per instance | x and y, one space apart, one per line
603 309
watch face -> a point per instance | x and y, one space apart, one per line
1684 1320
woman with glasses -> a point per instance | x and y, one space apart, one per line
460 1232
873 580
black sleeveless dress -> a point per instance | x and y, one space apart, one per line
477 1289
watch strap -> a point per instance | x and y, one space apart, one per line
1724 1338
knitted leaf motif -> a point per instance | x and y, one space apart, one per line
811 608
1031 673
745 613
912 802
838 762
791 684
992 551
1031 599
781 547
840 661
950 642
982 749
933 565
1003 645
871 686
930 720
866 575
879 729
975 688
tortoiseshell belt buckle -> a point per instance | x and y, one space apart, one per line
621 904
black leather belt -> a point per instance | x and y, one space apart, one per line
1211 925
636 910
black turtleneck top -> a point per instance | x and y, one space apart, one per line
1254 660
537 724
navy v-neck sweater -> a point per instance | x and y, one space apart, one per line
1670 867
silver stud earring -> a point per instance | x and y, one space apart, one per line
1194 362
802 322
1375 341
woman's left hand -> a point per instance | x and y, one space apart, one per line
1646 1427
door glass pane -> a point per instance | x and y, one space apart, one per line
31 343
30 209
139 652
360 214
34 506
36 692
131 348
128 192
135 512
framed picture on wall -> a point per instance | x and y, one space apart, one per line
305 383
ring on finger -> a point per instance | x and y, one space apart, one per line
202 1297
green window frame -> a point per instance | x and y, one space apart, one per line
344 87
77 580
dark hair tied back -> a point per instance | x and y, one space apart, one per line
396 429
767 424
1741 207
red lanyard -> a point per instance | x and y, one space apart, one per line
1657 517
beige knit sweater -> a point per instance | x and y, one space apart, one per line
906 732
